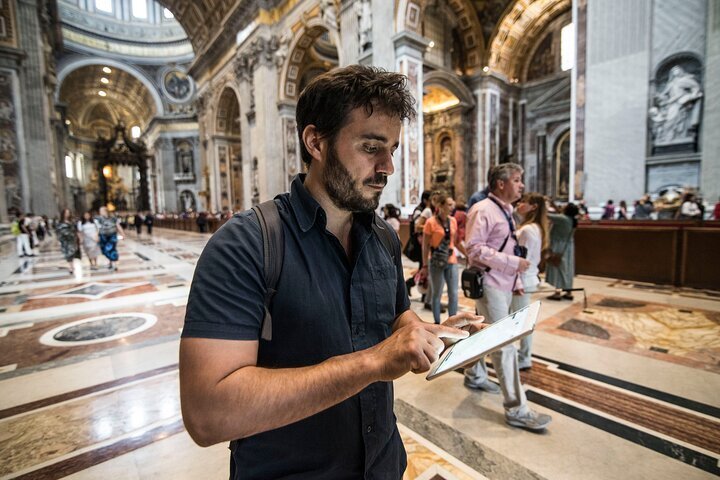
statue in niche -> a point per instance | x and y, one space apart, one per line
676 114
187 201
329 13
6 110
363 8
185 162
443 170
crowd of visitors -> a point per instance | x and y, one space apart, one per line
93 234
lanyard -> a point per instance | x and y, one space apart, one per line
507 217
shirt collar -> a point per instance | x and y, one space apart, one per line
506 206
307 209
303 204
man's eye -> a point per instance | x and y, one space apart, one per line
370 148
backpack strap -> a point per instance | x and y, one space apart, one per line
273 253
386 235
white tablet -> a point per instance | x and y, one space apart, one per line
468 350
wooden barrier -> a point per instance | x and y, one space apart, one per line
680 253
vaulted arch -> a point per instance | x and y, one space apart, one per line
518 31
310 53
410 13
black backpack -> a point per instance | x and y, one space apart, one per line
274 251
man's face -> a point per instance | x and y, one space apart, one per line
512 189
359 161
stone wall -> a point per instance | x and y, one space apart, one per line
618 33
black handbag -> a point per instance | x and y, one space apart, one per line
471 278
413 249
472 282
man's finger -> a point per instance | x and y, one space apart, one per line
443 331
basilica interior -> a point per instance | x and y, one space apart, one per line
185 108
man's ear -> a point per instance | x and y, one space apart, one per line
313 142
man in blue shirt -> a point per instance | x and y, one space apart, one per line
316 400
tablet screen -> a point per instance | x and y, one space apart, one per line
488 339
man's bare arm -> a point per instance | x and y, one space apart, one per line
224 396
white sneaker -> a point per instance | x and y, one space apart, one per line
485 386
529 419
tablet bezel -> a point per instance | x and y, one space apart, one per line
533 306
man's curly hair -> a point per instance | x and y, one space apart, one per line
329 98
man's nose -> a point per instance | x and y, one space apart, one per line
385 164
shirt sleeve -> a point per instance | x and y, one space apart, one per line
227 296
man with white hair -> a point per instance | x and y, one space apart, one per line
491 245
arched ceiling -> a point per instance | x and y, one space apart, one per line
126 99
519 30
118 34
489 13
215 22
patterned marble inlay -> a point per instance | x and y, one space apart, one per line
585 328
71 428
617 303
91 291
688 337
98 329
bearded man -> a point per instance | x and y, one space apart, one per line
315 401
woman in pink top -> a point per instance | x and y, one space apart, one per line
439 241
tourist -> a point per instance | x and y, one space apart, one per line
90 238
689 209
560 267
67 235
314 397
609 211
622 213
533 234
392 216
439 242
492 245
110 232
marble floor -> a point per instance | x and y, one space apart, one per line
89 380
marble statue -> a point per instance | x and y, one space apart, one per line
329 13
363 9
283 48
676 113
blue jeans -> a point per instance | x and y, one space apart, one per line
438 277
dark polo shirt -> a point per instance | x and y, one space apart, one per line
327 305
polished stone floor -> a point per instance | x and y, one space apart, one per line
89 387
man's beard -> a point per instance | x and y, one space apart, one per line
341 187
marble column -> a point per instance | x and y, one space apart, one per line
41 196
710 183
406 185
292 162
487 134
268 150
203 155
350 46
165 161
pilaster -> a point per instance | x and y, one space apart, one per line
407 184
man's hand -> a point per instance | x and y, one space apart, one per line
523 265
465 321
412 347
519 291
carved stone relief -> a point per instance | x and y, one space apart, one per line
8 143
675 114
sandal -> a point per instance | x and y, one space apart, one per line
568 296
555 296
